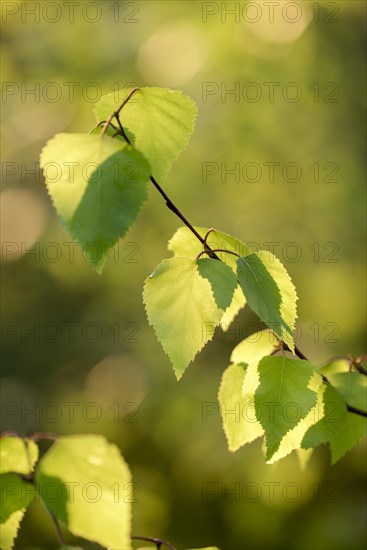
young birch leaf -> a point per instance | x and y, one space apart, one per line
293 439
351 431
339 427
93 487
334 414
185 244
185 300
98 186
269 292
237 410
16 496
352 387
282 398
160 120
334 367
255 347
17 455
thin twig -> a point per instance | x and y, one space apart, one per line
169 203
115 114
156 541
11 434
39 436
209 252
179 214
356 363
60 536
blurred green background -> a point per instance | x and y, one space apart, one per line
72 338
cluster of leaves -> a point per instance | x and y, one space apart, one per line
60 481
82 480
98 183
290 402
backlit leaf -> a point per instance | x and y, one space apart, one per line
17 455
269 292
160 122
237 410
86 484
185 244
283 397
97 186
16 496
185 300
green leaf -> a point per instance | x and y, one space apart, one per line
207 548
185 244
338 365
353 387
333 414
237 410
353 428
339 427
269 292
185 300
282 398
293 438
237 388
160 120
351 431
16 496
255 347
17 455
86 484
97 186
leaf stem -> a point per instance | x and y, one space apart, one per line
38 436
356 363
179 214
60 536
168 201
209 251
156 541
115 114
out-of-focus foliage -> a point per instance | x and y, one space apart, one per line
282 172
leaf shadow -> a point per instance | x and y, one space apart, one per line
55 495
222 280
253 274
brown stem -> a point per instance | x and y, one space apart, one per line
210 251
158 542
